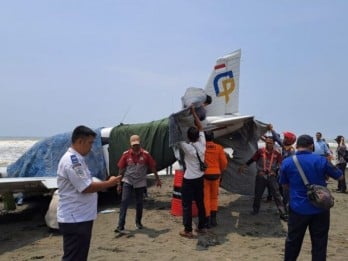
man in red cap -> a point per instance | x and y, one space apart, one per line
286 144
287 149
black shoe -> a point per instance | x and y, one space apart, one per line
201 230
340 191
138 225
119 230
254 212
213 221
284 216
207 222
207 226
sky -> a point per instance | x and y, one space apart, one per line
101 63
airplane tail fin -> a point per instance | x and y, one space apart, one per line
223 85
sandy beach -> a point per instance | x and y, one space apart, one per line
239 236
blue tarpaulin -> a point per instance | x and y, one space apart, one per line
42 159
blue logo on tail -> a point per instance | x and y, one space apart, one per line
227 82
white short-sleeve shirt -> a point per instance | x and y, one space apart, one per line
73 176
191 161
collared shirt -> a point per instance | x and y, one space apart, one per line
136 165
267 160
191 161
315 168
321 148
73 177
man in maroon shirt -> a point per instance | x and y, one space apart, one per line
133 167
268 161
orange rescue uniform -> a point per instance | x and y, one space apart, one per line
217 162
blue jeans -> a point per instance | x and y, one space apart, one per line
127 190
318 225
192 189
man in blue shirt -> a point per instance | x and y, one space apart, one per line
320 146
302 213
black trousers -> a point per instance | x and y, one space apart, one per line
127 191
192 189
342 186
76 240
318 225
261 182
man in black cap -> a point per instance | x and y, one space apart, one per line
302 213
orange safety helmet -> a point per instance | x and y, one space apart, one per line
289 138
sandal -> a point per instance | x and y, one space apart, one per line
186 234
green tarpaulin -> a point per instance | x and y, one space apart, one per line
154 138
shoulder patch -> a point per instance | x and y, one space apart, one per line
74 159
146 152
76 165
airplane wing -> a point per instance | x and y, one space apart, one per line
222 125
28 184
227 120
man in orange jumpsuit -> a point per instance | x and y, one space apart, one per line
217 162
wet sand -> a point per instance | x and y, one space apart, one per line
239 235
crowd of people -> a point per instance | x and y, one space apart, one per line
277 170
204 162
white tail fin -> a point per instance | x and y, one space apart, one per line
223 85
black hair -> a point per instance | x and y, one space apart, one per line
208 99
269 138
209 135
338 138
304 141
193 134
82 132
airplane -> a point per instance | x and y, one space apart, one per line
36 169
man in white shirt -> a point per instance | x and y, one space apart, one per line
192 185
77 205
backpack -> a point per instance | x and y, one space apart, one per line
345 155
